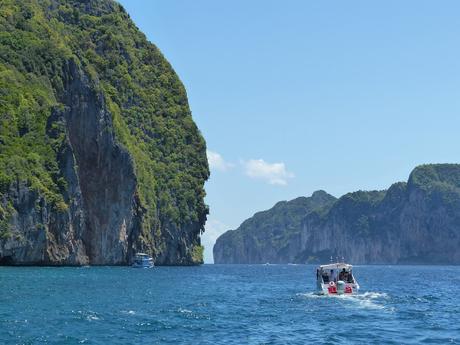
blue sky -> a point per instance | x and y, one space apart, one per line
295 96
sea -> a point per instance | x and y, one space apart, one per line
227 304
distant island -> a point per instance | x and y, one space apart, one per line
417 222
99 155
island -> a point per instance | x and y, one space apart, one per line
99 155
413 222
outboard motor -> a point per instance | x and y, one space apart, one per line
340 287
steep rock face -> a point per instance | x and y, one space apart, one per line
105 170
37 237
353 229
417 222
270 236
414 222
99 156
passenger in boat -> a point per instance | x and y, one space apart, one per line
350 278
343 275
325 278
333 276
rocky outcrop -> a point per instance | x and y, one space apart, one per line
118 165
415 222
104 171
270 236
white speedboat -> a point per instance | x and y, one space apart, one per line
142 260
336 278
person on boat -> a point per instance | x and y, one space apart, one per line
343 275
350 278
333 276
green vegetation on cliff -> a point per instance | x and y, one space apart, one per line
283 220
269 236
147 101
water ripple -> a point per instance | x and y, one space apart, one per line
251 304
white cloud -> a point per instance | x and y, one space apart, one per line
213 229
217 162
273 173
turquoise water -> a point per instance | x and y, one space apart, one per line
219 304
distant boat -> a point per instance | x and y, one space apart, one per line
336 278
142 260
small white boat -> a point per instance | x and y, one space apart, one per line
336 278
142 260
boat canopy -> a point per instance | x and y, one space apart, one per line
336 266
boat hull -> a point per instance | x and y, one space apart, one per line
336 279
327 289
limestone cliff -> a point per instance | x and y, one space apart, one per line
270 236
414 222
99 155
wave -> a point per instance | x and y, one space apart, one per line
87 315
184 311
366 300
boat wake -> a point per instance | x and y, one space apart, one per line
366 300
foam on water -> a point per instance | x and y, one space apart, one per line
184 311
88 315
369 300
